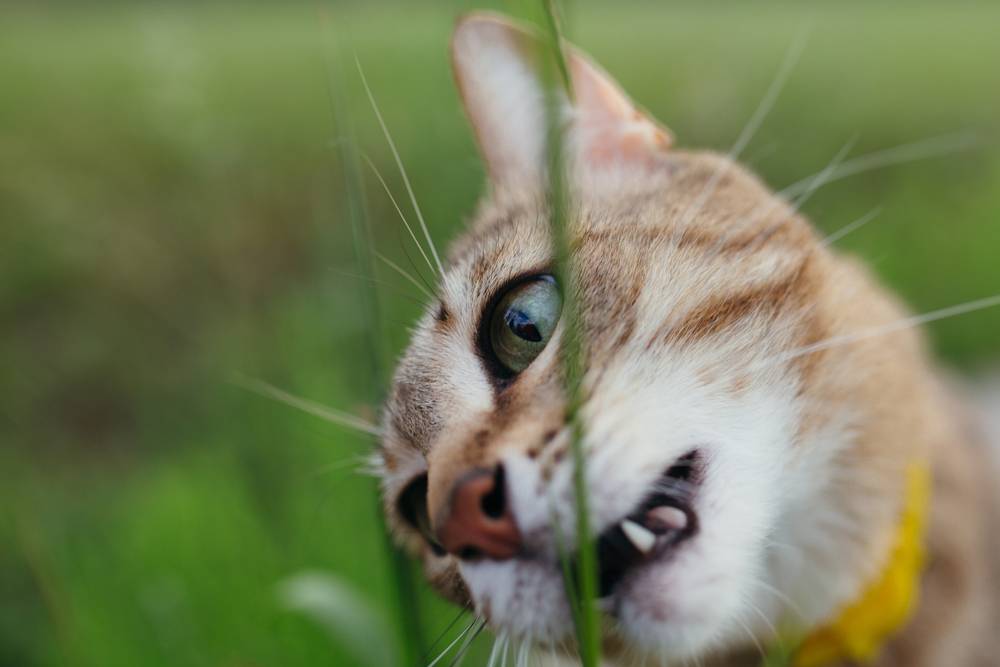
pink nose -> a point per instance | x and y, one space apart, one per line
480 523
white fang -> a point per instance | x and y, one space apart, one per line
641 538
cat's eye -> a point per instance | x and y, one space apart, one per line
523 321
412 505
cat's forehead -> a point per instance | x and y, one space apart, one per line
693 197
503 241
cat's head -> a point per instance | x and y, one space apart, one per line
717 482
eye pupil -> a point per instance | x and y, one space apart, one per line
522 325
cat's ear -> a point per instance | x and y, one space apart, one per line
607 126
497 67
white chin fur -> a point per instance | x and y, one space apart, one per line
678 609
521 599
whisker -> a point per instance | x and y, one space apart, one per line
522 654
792 605
823 177
403 272
313 408
447 649
395 205
936 146
336 466
445 632
382 283
847 229
417 273
812 184
899 325
911 152
498 644
460 656
750 129
753 638
399 164
770 626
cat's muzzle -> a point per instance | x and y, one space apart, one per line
654 529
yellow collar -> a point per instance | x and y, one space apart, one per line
860 630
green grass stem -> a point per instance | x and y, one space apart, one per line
581 588
400 571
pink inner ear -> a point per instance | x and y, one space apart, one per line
610 127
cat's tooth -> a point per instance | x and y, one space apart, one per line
666 517
641 539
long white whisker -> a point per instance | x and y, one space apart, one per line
792 605
464 648
919 150
755 609
399 164
899 325
495 651
331 415
522 655
814 183
359 463
447 649
847 229
444 633
824 176
891 156
402 217
375 281
750 129
403 272
753 638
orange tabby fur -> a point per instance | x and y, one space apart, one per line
726 284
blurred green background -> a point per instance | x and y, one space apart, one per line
172 214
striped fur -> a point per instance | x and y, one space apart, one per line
688 305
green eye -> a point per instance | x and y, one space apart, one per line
523 322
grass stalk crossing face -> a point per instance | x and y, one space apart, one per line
581 580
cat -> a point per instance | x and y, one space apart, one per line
754 465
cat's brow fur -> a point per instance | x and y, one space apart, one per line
685 303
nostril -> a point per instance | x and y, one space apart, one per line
494 503
479 522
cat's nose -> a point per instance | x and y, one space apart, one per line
480 523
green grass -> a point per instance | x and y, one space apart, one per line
580 578
171 214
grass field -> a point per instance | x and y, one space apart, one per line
171 216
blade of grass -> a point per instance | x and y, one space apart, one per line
581 589
343 612
402 581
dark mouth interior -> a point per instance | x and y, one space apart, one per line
664 519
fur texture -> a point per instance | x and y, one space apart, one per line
696 286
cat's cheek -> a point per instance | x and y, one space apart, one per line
678 609
443 576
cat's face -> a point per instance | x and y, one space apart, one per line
693 280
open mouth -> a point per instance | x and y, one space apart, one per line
653 530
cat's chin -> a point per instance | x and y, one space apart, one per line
522 599
677 609
674 609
